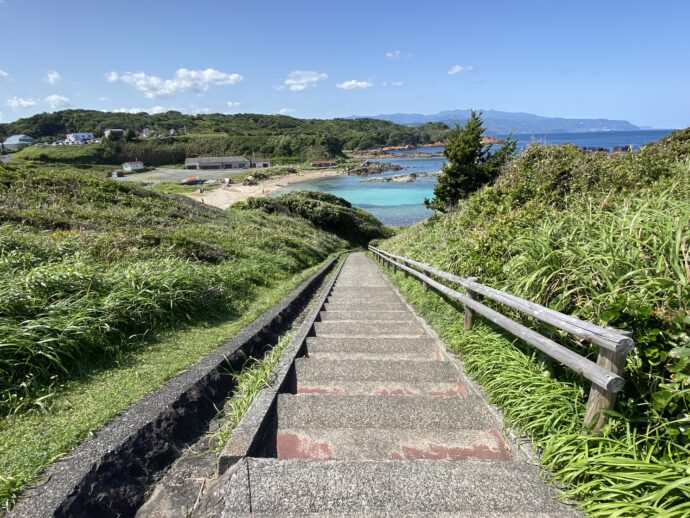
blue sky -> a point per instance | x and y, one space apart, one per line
606 59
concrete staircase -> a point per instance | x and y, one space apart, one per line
382 424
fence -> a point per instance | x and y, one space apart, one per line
613 344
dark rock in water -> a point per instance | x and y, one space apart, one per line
368 168
401 178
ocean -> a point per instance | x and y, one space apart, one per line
402 203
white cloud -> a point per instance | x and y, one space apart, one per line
398 54
392 83
162 109
102 98
197 111
153 110
299 80
286 111
353 84
18 102
185 80
4 75
457 69
234 104
56 101
52 77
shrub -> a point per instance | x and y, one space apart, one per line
325 211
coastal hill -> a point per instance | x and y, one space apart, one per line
505 122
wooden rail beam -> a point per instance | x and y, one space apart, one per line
469 312
614 344
612 339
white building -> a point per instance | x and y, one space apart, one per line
113 133
133 166
261 162
217 162
16 142
78 138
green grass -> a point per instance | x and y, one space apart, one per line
31 441
248 382
606 238
89 265
79 154
108 289
623 472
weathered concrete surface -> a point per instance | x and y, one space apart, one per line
364 315
373 348
379 423
269 487
368 328
391 444
306 411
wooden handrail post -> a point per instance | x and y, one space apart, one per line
469 313
599 398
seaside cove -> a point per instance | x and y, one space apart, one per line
402 203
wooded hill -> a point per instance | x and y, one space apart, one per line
270 135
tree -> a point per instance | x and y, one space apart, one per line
470 166
130 135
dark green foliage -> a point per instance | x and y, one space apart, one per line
278 136
89 266
327 212
470 166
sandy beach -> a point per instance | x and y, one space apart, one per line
223 197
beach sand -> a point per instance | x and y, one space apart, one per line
223 197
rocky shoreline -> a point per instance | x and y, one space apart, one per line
401 178
368 168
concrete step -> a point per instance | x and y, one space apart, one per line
385 315
383 300
379 377
364 306
370 328
390 444
308 411
479 489
420 349
363 290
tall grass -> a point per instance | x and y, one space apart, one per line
89 266
607 238
248 381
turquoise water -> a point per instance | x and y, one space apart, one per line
401 203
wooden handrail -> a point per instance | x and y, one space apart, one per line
614 344
612 339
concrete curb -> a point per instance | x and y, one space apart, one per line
253 431
109 473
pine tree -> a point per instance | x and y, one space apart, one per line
470 166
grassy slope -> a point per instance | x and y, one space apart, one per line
31 441
607 238
92 271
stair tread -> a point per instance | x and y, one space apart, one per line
391 444
305 411
376 370
270 487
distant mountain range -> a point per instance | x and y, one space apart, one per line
505 122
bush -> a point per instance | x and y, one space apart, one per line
327 212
